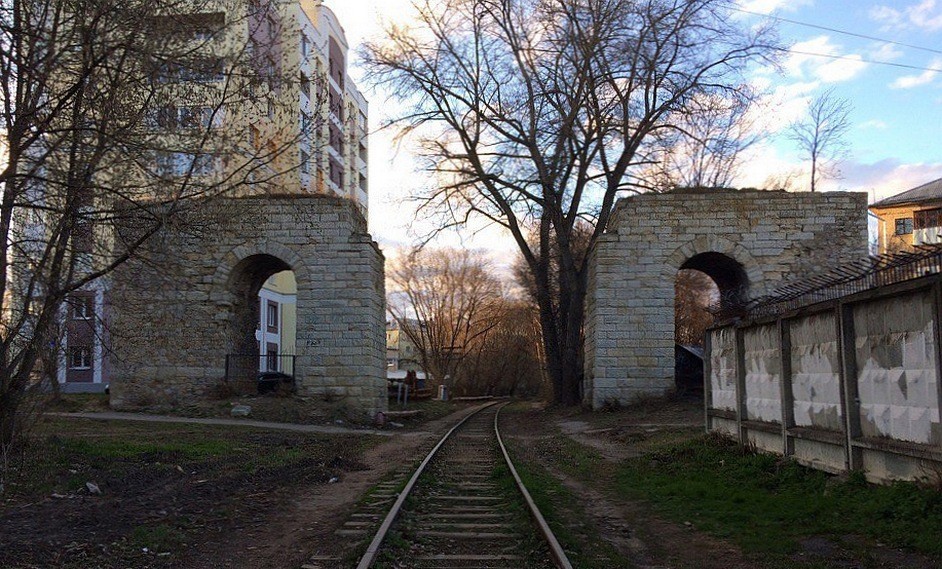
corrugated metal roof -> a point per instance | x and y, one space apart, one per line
925 192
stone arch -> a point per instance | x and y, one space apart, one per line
203 282
230 260
717 245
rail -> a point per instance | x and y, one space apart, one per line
556 550
556 553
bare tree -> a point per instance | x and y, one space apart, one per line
705 149
694 292
508 359
535 114
119 115
445 302
820 135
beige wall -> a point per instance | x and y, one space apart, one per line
887 240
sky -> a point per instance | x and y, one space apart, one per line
896 111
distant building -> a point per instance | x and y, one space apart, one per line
911 218
277 327
401 352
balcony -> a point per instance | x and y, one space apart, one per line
927 226
927 236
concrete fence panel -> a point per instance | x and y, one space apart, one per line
847 384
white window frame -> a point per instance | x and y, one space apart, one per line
85 360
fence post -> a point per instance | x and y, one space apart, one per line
787 397
850 397
707 378
937 313
741 409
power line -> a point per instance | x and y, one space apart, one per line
860 59
838 31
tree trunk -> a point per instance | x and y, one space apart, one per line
563 338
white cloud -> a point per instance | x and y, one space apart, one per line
886 52
840 69
926 15
924 78
769 6
879 179
889 177
803 62
875 124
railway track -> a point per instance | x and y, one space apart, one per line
464 506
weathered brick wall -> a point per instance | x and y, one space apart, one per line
630 306
180 309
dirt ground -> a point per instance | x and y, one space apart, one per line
633 527
214 498
635 532
200 497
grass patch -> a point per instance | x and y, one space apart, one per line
131 449
157 538
65 453
564 513
768 504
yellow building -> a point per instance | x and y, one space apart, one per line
908 219
278 317
268 82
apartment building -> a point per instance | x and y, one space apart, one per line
263 102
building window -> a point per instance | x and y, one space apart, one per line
904 226
171 164
304 44
305 124
202 70
82 237
336 138
272 319
305 163
80 357
306 85
82 308
926 218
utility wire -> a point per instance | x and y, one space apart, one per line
838 31
859 59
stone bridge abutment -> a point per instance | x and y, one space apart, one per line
749 242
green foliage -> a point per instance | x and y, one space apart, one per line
767 504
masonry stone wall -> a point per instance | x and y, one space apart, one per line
772 235
188 302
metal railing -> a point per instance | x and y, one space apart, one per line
250 370
840 281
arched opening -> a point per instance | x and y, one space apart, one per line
704 280
263 327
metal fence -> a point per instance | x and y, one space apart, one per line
837 282
248 370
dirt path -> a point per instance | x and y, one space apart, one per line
294 427
649 541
